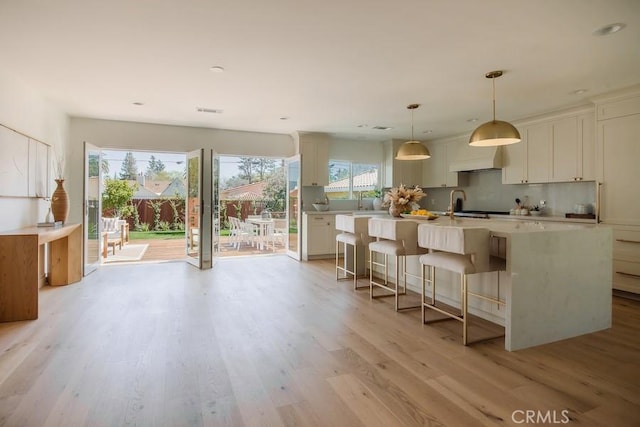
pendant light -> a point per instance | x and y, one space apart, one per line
412 150
495 132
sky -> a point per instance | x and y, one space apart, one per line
172 161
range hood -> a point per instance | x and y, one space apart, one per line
468 158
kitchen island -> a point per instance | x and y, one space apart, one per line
557 282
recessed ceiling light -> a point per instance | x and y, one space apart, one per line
209 110
382 127
609 29
139 104
473 120
578 92
284 118
427 131
217 69
363 126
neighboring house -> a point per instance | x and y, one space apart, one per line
339 189
254 191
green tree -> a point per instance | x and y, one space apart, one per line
246 167
154 167
263 167
96 166
275 190
129 169
117 196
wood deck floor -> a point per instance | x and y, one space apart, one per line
269 341
174 249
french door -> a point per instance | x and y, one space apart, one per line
202 213
92 207
294 214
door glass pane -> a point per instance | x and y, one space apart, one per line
293 207
93 165
193 208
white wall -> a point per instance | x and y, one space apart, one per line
145 136
27 111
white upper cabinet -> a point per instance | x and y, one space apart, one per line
557 149
396 172
314 152
435 170
573 149
618 155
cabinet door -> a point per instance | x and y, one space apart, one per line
587 134
538 153
566 150
620 151
321 236
434 169
513 157
315 163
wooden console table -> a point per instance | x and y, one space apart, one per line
20 262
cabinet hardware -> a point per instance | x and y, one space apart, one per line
598 200
622 273
627 241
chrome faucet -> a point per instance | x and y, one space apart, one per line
464 197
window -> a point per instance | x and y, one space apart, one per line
347 179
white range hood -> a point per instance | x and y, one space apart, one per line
468 158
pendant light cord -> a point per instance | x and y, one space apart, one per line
493 79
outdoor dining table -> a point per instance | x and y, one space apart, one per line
262 227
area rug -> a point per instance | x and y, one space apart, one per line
128 253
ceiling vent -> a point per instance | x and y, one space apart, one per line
209 110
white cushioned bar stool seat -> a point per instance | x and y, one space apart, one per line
396 238
355 235
462 250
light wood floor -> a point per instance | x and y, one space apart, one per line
269 341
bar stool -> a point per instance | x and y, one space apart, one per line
397 238
355 234
461 250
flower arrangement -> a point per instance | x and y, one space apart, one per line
402 197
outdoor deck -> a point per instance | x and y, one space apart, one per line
174 249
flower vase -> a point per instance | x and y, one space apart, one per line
395 210
60 202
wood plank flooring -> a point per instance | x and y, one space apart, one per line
268 341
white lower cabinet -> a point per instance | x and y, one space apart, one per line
318 236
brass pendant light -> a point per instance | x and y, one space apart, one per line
495 132
412 150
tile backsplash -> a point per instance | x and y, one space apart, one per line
485 191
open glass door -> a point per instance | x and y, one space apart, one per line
92 207
198 228
293 206
215 173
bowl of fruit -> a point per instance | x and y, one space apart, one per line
421 214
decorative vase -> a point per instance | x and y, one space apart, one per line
60 202
395 210
377 204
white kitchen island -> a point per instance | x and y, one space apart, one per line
557 282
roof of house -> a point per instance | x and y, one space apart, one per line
253 191
363 182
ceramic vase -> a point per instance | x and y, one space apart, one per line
395 210
60 202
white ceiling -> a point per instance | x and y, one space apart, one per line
328 66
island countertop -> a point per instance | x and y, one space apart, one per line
557 282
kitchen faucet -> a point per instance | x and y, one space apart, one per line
464 197
360 200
